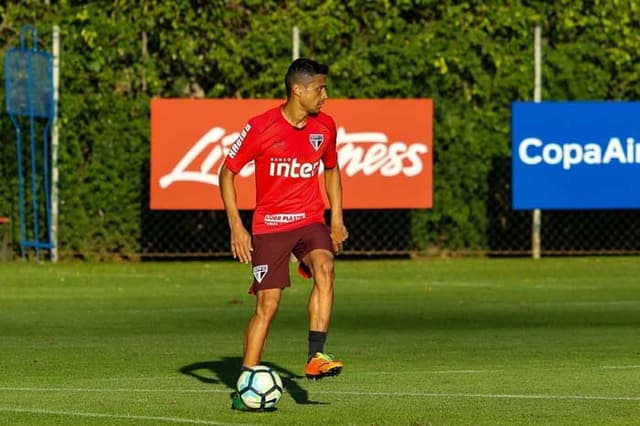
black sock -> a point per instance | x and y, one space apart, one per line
316 342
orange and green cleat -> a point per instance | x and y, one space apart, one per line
322 365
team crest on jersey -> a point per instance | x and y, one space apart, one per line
316 139
260 271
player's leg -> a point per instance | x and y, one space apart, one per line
320 364
316 252
271 274
320 262
255 337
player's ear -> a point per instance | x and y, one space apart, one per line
297 89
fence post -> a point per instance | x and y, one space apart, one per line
537 95
295 43
54 144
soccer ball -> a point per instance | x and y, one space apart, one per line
259 387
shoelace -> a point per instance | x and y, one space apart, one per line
326 357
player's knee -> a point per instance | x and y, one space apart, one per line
265 315
267 309
324 271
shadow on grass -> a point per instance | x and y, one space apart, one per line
226 370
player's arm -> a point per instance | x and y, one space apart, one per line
333 186
240 238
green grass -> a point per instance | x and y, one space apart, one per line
469 341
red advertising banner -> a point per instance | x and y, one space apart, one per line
384 150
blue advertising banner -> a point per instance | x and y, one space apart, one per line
576 155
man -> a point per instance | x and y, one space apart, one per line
289 144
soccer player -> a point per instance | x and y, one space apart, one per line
289 144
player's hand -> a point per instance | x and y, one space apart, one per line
241 244
339 235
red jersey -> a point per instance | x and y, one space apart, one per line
287 162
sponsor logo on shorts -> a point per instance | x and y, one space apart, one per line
260 271
282 218
316 139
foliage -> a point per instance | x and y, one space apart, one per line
471 58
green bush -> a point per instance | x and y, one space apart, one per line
471 58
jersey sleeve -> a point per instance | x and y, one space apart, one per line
244 149
330 155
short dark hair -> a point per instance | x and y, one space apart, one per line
302 68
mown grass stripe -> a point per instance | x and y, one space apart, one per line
116 416
337 392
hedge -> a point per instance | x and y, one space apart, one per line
472 57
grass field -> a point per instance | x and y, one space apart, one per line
442 342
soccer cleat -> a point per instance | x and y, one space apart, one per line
322 365
304 270
237 404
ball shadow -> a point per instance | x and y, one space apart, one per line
225 371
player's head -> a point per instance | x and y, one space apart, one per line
306 80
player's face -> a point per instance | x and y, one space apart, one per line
314 94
